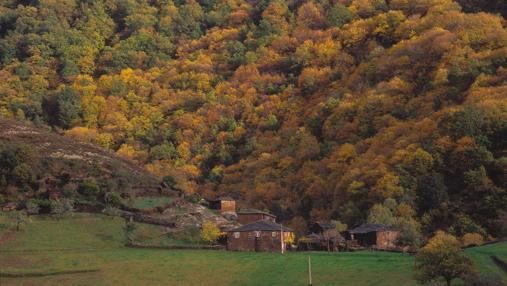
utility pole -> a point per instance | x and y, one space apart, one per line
281 237
309 271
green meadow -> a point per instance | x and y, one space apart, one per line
149 202
95 243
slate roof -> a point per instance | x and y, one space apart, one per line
255 211
261 225
370 227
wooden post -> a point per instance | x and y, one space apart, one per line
281 237
309 271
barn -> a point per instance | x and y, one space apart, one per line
372 235
262 235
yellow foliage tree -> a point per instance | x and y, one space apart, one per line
210 232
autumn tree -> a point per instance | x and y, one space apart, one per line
443 258
210 232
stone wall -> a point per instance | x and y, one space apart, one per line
247 241
387 239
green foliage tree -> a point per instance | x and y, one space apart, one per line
338 15
68 107
382 215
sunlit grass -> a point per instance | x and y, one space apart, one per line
85 241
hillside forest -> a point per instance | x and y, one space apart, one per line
390 111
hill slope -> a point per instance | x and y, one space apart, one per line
388 111
36 161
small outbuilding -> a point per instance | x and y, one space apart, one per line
324 228
262 235
223 204
322 236
247 216
372 235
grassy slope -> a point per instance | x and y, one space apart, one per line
150 202
59 154
93 241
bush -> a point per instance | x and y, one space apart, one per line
210 232
472 239
89 189
32 207
68 193
23 175
169 181
193 198
113 199
45 206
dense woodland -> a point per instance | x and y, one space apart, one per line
388 111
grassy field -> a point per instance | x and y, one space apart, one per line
149 202
95 242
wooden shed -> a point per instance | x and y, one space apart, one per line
247 216
322 236
372 235
324 228
223 204
262 235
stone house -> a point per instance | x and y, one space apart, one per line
262 235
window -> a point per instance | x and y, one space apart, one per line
257 234
273 234
236 235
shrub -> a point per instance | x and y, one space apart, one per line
210 232
169 181
113 199
89 189
472 239
45 206
62 206
194 198
32 207
23 174
68 193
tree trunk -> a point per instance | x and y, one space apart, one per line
448 281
